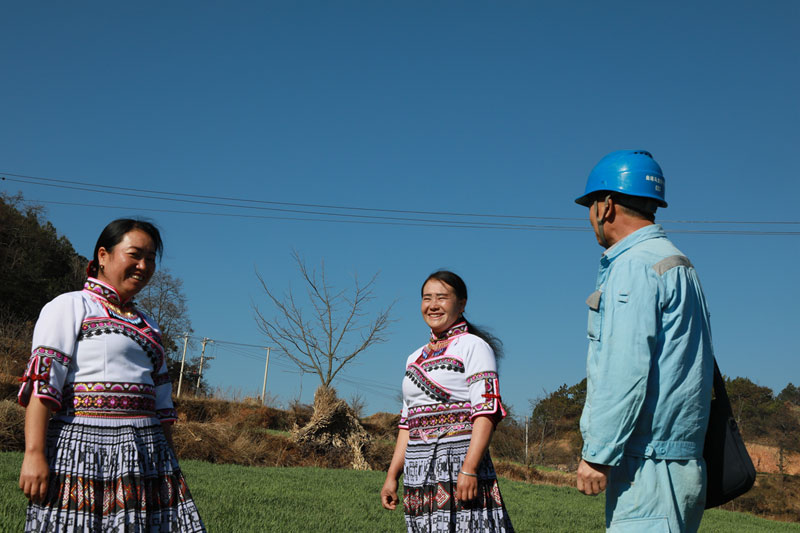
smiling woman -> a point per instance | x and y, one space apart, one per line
451 405
125 255
98 362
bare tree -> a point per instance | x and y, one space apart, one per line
163 300
331 332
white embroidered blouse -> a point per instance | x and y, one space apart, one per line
94 356
457 370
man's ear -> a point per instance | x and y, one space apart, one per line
611 209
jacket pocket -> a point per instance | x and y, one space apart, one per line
595 325
640 525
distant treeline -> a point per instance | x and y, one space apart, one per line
763 417
36 265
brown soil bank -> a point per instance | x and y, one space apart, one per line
767 459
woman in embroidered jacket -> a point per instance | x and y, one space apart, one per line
105 460
451 405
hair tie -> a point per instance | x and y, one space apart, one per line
91 269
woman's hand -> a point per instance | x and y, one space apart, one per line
34 475
466 487
389 498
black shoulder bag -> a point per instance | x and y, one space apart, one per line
730 470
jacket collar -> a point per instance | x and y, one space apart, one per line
651 231
103 290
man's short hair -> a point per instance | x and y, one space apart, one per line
635 206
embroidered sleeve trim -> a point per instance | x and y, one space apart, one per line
492 404
36 379
481 375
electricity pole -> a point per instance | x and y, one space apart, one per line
183 362
264 388
202 358
526 440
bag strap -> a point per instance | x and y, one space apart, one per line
720 394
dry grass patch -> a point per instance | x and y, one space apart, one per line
12 426
531 474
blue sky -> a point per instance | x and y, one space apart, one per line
463 107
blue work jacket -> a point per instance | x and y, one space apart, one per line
650 363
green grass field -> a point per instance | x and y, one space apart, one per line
307 500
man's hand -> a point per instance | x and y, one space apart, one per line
592 478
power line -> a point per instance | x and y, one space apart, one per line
371 218
442 224
384 220
272 202
134 192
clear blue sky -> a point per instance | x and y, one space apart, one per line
482 108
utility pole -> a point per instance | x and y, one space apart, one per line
526 439
183 362
202 358
264 388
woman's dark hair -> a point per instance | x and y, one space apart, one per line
454 280
115 231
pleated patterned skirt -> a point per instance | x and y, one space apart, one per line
112 475
429 491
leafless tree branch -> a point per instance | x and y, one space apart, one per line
336 330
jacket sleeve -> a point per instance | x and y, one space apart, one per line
54 338
618 366
483 382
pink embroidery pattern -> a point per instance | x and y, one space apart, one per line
439 420
438 345
110 398
421 379
481 375
38 372
446 362
492 405
99 326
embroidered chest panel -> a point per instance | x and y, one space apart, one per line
96 327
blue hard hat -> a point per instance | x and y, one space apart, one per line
631 172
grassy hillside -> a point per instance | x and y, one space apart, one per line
309 500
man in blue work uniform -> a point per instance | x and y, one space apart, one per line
650 363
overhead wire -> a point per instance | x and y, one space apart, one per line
443 224
185 198
371 218
240 349
273 202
